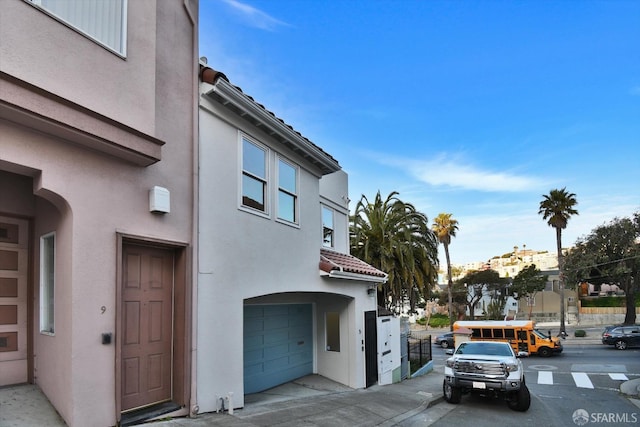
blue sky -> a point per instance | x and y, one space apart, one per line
475 108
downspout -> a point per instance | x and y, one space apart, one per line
195 75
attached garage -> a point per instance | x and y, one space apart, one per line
278 344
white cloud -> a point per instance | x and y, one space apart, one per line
255 17
447 171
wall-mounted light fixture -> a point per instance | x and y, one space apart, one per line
371 291
159 200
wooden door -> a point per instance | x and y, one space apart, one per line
14 264
147 336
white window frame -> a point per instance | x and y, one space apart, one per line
332 228
296 195
266 181
47 285
119 47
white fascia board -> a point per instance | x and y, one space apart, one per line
337 274
230 93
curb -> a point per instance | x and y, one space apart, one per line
631 388
423 407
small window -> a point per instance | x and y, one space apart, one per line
254 176
477 333
104 21
509 333
333 331
497 333
327 227
486 333
287 192
47 283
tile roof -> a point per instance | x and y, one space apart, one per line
211 76
332 260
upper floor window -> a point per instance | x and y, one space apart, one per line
47 282
104 21
287 191
327 227
254 176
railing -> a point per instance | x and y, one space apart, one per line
419 351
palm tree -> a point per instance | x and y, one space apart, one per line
445 228
556 208
394 237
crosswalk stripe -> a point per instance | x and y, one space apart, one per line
582 380
621 377
545 377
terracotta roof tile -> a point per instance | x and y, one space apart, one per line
332 260
209 75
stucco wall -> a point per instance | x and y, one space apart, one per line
43 52
153 91
249 258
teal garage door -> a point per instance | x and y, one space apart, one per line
278 345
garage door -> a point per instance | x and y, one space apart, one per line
278 345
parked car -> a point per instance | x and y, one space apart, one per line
622 337
444 340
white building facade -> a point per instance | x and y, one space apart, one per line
279 297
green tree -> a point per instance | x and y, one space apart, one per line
528 282
394 237
445 228
556 208
475 285
609 254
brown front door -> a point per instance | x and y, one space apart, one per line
147 336
14 264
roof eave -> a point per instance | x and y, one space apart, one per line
337 274
230 94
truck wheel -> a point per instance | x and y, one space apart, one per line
520 400
451 394
621 345
544 351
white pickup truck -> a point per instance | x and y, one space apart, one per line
488 368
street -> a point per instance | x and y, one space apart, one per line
579 386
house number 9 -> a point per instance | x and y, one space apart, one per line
103 309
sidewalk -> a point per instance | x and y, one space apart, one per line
316 401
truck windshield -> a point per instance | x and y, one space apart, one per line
540 334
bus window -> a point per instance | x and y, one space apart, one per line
486 333
498 333
522 335
476 333
509 334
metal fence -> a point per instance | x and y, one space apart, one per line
419 350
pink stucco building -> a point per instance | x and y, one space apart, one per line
97 135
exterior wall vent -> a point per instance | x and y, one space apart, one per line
159 200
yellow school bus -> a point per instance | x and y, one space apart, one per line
521 334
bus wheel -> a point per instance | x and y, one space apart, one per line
544 351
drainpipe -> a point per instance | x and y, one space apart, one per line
192 13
